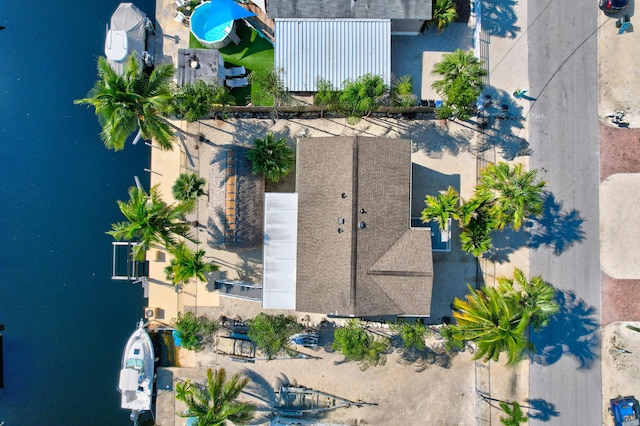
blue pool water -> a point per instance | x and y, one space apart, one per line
66 322
200 24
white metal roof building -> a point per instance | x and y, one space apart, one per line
332 49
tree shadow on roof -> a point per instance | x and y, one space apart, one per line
573 330
556 228
499 19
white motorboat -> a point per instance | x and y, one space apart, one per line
126 36
137 373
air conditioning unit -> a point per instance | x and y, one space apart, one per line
151 313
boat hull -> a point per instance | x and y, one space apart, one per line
137 372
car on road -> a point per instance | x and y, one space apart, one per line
612 5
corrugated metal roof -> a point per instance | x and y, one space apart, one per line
279 249
334 50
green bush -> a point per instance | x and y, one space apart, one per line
271 333
195 332
359 97
326 96
270 90
412 334
451 343
195 101
402 92
356 344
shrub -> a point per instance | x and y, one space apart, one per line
195 101
326 96
359 97
195 332
356 344
270 90
402 92
271 333
412 334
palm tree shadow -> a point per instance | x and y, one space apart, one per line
499 19
502 121
421 359
433 139
504 243
544 410
556 228
325 332
572 330
260 389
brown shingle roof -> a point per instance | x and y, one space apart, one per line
356 252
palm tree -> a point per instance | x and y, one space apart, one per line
131 101
458 64
271 157
361 96
512 193
475 236
150 220
514 413
215 403
535 296
443 14
494 322
187 264
442 208
188 186
461 83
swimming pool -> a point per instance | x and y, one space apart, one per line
213 36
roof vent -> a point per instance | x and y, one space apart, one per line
340 231
363 211
341 221
344 195
362 225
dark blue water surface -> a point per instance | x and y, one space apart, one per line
66 321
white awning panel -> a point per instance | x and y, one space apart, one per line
279 250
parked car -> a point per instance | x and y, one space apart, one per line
625 411
612 5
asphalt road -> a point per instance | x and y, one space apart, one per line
565 375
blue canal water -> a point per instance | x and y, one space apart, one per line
66 322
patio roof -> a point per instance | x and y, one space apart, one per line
332 49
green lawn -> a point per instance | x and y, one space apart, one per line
253 52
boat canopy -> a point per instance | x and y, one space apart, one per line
128 380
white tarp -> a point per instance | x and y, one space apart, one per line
279 250
127 34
